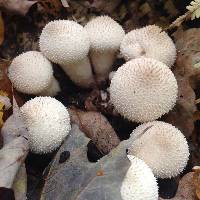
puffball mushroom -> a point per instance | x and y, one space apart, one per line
32 73
105 38
162 147
143 90
48 123
66 43
139 182
150 42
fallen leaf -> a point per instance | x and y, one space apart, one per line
182 116
14 128
17 6
188 54
97 128
196 180
20 184
80 179
186 188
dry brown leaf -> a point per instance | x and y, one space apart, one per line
188 48
196 180
183 115
17 6
186 188
97 128
1 29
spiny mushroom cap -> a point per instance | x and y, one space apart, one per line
162 147
143 90
139 182
64 42
150 42
30 72
105 34
47 121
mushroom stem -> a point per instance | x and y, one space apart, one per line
52 90
102 63
80 73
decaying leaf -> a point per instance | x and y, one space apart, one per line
194 8
79 179
20 184
17 6
196 180
186 188
97 128
187 44
12 129
12 155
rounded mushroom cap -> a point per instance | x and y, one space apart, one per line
30 72
105 34
64 42
143 90
162 147
139 182
47 121
150 42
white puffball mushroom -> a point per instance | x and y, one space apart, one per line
143 90
32 73
139 182
48 123
162 147
105 38
66 43
151 42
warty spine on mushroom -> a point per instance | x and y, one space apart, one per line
48 123
32 73
105 38
66 43
162 147
143 90
151 42
139 182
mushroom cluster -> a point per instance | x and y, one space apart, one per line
69 44
141 90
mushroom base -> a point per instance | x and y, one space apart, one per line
80 73
52 90
102 63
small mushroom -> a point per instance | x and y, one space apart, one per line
105 38
151 42
162 147
48 123
143 90
66 43
139 182
32 73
